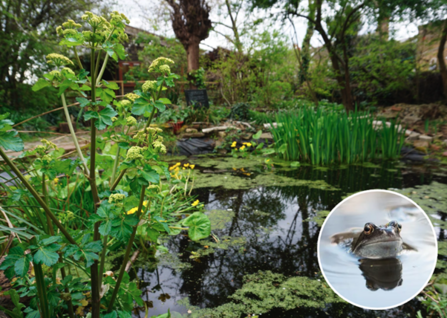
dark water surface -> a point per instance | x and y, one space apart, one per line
262 229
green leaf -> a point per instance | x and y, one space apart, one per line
105 117
112 85
41 83
112 314
160 106
165 101
50 240
47 255
199 226
257 135
151 176
9 141
82 101
142 106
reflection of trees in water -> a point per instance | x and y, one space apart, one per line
288 249
278 240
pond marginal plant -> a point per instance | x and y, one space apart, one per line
323 137
66 215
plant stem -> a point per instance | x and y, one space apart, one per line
73 134
41 290
77 58
103 68
103 256
37 197
94 268
126 255
115 164
120 176
70 304
45 198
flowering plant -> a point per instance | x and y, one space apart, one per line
66 215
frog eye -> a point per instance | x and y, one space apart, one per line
392 223
368 229
399 227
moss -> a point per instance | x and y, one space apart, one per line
265 291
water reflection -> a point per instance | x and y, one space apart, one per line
383 274
263 229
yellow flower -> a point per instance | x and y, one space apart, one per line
186 165
192 166
56 180
195 203
133 210
247 144
233 144
242 148
267 160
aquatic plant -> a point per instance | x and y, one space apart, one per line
64 215
324 137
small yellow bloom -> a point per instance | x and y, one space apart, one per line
133 210
195 203
186 165
192 166
233 144
56 180
242 148
183 168
267 160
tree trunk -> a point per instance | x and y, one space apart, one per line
306 45
441 59
193 61
193 56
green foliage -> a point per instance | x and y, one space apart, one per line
263 75
198 78
70 213
8 136
239 111
27 37
199 226
381 67
323 137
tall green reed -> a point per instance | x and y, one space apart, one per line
323 137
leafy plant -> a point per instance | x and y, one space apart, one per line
198 78
240 111
66 215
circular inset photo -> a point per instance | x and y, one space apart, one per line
377 249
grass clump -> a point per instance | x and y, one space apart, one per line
323 137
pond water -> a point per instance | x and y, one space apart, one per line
263 257
377 283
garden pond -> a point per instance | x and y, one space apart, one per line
262 256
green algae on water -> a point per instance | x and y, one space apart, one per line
231 181
264 291
319 218
219 218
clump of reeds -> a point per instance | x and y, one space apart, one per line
323 137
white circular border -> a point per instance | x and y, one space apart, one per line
321 232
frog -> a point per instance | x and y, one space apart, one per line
375 242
